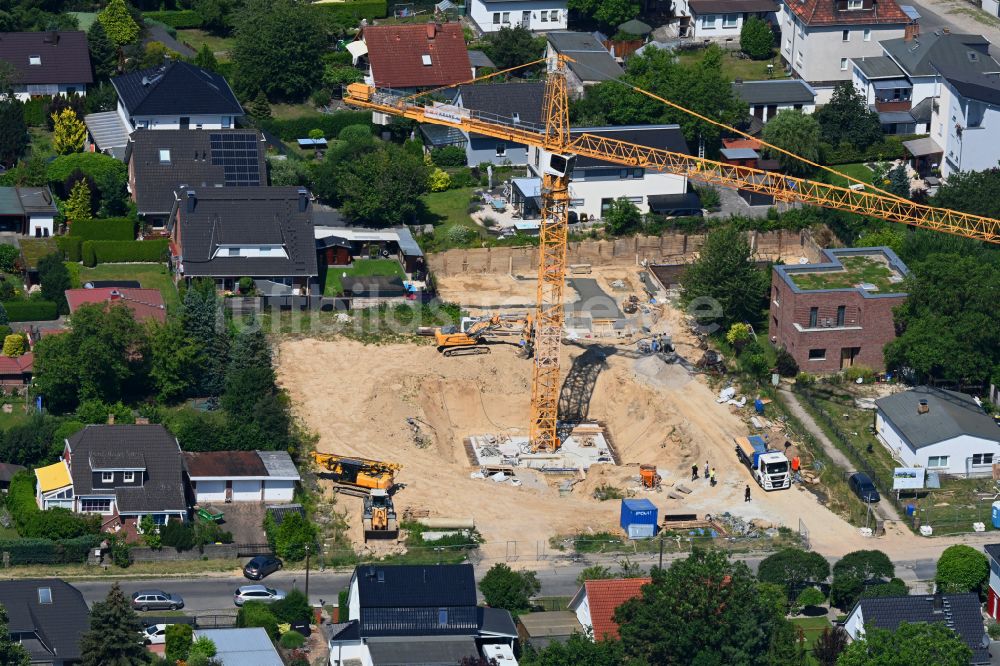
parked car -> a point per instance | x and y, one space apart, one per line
864 487
155 634
145 600
263 593
261 566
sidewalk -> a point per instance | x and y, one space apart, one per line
885 510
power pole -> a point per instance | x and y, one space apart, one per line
661 552
307 571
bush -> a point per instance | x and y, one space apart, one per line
810 597
448 156
962 569
32 522
890 148
321 97
49 551
70 246
113 252
439 181
993 629
756 39
805 379
8 257
178 19
856 372
710 198
343 610
101 168
35 111
290 538
178 644
256 614
15 344
293 608
31 310
331 123
350 13
786 364
177 534
115 229
292 640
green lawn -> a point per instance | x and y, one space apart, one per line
811 628
857 170
84 19
361 268
15 417
33 249
738 68
856 270
150 276
289 111
446 210
196 38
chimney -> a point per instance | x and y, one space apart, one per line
303 199
115 295
946 31
142 420
192 201
910 31
923 407
111 418
431 30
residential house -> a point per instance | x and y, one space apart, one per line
414 56
965 123
993 590
542 629
479 61
175 95
265 233
28 210
247 646
535 15
338 245
7 472
145 304
508 103
241 476
162 164
829 317
819 38
16 370
991 7
122 472
903 82
959 612
416 614
47 63
596 601
767 98
589 62
46 616
595 184
945 431
722 20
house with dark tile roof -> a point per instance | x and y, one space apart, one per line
28 210
121 472
767 98
944 431
959 612
903 83
589 62
819 38
47 63
163 164
7 472
46 616
596 601
414 56
265 233
965 123
241 476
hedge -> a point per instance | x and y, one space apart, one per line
177 19
34 111
114 229
890 148
115 252
330 123
70 246
48 551
352 12
31 310
95 165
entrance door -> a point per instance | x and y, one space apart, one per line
772 111
848 356
525 18
185 123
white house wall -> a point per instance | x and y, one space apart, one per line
41 225
482 13
855 624
353 601
958 449
583 614
210 491
276 490
972 149
342 654
246 491
764 117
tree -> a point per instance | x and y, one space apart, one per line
257 614
205 58
829 645
594 572
502 587
202 649
55 280
910 644
114 638
12 653
847 118
13 130
577 650
757 39
899 181
295 607
291 537
724 284
178 642
14 345
4 319
204 324
961 569
150 532
609 13
510 47
175 357
216 15
622 217
793 568
103 55
975 192
798 133
155 54
78 207
69 133
894 588
264 57
726 619
810 596
853 571
119 26
382 187
738 335
260 108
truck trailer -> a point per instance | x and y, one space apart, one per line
769 468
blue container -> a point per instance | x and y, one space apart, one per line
912 509
639 518
996 515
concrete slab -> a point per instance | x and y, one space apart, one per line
581 449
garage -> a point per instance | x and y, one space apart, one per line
209 491
279 490
246 490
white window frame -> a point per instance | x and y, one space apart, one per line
708 21
798 58
854 5
868 34
982 459
843 64
544 16
845 35
553 15
817 358
107 477
726 21
938 462
501 150
505 17
84 501
34 61
129 477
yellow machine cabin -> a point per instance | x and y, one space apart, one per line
357 476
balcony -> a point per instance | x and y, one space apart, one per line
893 105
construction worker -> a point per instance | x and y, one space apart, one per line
746 494
706 469
712 476
694 472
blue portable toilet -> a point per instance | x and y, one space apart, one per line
996 515
639 518
758 406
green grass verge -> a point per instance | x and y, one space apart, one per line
289 111
856 170
333 283
33 249
150 276
811 628
856 270
14 418
196 38
738 68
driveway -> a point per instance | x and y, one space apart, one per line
244 519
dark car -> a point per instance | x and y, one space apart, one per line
261 566
863 487
145 600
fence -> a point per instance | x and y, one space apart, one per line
210 551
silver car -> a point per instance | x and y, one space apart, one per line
145 600
263 593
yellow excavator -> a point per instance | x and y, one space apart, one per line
358 476
380 516
453 341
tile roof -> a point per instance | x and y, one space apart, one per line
591 61
17 365
224 463
480 59
993 550
791 91
829 12
496 622
731 6
950 414
176 88
503 100
413 600
252 215
417 55
667 137
604 596
879 67
960 612
64 56
163 489
26 200
8 470
145 304
191 161
58 625
981 87
428 650
921 56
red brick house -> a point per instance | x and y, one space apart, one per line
837 314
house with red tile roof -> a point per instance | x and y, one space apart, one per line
145 304
819 38
415 56
16 370
597 600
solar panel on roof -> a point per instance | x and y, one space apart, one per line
237 153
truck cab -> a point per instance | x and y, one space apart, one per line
772 471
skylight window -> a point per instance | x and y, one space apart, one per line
426 59
45 595
165 157
34 60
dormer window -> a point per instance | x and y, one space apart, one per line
35 60
107 477
129 477
426 59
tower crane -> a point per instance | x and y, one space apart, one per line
562 147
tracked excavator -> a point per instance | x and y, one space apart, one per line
358 476
475 338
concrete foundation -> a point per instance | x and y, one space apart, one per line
585 445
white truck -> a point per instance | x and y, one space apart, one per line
770 469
